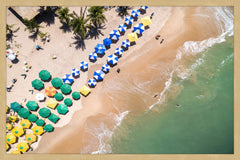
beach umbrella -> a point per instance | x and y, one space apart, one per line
68 102
92 82
105 68
48 128
40 122
38 130
40 96
15 152
138 28
10 139
57 82
9 51
135 13
37 84
22 146
11 57
118 51
53 118
66 88
15 106
32 117
146 21
114 34
51 103
107 42
126 43
93 56
98 75
67 79
132 37
76 95
75 72
44 112
100 48
144 7
25 123
83 65
13 118
30 138
50 91
44 75
122 27
32 105
62 109
7 147
58 96
17 131
85 90
23 113
112 59
128 20
9 126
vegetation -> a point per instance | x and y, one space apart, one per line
31 25
80 26
10 30
96 15
64 16
123 10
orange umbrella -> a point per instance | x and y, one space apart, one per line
50 91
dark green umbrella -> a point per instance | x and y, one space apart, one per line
44 75
66 88
62 109
40 122
53 118
57 82
32 117
23 112
76 95
48 128
68 101
15 106
58 96
32 105
44 112
37 84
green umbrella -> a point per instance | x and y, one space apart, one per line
53 118
37 84
32 105
57 82
15 106
76 95
44 75
40 122
44 112
62 109
48 128
66 88
32 117
58 96
68 101
23 112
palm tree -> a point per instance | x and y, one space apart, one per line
64 16
96 15
31 25
10 31
9 28
123 10
80 26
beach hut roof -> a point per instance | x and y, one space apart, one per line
25 123
58 96
44 112
85 90
17 131
40 122
76 95
50 91
68 101
30 138
51 103
53 118
32 105
37 84
38 130
57 82
66 88
32 117
10 139
22 146
48 128
62 109
15 106
44 75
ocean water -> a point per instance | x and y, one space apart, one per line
197 115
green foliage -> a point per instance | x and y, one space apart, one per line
80 26
96 15
31 25
64 16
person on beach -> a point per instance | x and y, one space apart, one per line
38 47
161 41
157 37
151 15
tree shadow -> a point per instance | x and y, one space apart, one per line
47 16
79 42
65 27
34 36
95 31
9 36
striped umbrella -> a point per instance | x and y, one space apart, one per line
126 43
122 27
98 75
107 42
83 65
105 68
75 72
92 82
135 13
67 78
118 51
114 34
93 56
50 91
100 48
128 20
112 59
144 7
138 28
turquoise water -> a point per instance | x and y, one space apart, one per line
202 124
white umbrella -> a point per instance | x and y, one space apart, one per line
11 57
40 96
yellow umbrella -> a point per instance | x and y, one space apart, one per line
7 146
146 21
38 130
17 131
30 138
23 146
8 126
51 103
25 123
15 152
13 118
132 37
10 138
85 90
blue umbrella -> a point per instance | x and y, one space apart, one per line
118 51
128 20
107 42
75 72
114 34
83 65
126 43
100 48
135 13
105 68
93 56
92 82
67 78
138 28
122 27
112 59
98 75
144 7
